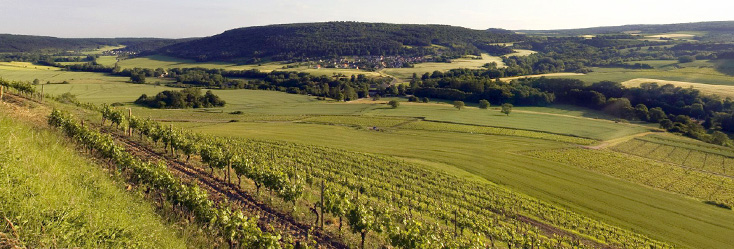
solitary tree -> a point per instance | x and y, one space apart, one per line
459 104
394 103
507 108
484 104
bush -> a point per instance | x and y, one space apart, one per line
412 99
686 58
394 103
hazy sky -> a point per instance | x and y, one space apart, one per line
189 18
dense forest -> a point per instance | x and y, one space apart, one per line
331 39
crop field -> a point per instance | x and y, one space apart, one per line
706 72
701 185
708 89
705 158
429 67
25 71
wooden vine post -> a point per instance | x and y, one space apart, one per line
129 117
2 88
322 204
41 93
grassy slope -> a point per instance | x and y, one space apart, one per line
57 198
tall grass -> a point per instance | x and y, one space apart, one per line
56 198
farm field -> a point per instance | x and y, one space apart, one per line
429 67
696 156
26 71
56 197
705 72
708 89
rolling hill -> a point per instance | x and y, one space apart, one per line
721 26
292 41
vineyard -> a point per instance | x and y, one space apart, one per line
378 195
377 200
704 158
661 175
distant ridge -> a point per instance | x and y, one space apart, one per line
717 26
327 39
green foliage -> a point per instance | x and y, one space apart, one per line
458 104
235 227
393 103
686 59
484 104
506 108
186 98
308 40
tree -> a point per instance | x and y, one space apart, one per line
425 100
459 104
666 124
138 78
484 104
36 81
506 108
641 112
394 103
657 114
720 138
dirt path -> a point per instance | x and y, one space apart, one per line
613 142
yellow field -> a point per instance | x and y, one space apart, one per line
721 90
540 75
421 68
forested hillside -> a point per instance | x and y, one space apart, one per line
28 43
292 41
723 26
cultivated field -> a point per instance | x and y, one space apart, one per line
708 89
705 72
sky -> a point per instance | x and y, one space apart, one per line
197 18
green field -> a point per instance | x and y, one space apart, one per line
698 156
26 71
707 72
483 145
56 198
496 159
